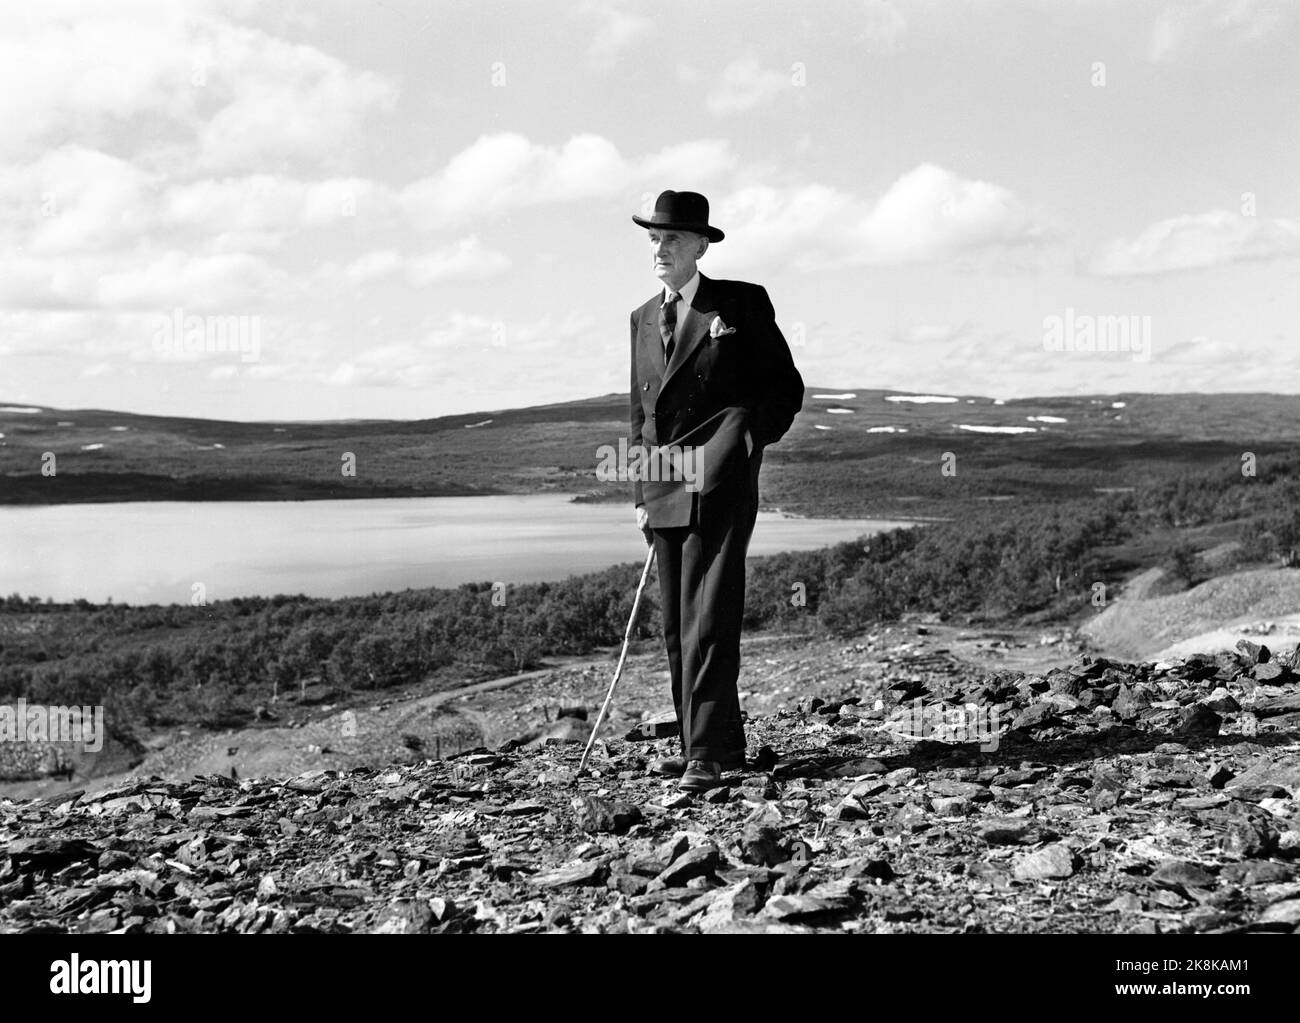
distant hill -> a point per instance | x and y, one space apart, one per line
850 452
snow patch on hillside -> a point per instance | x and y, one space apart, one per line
997 429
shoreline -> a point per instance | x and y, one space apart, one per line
329 492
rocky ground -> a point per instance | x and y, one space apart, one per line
918 796
430 720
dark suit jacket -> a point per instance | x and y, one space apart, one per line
712 390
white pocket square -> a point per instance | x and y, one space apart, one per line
717 328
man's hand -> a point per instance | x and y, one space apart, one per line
643 523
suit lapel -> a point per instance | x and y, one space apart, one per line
695 327
652 346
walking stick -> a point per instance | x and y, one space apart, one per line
627 637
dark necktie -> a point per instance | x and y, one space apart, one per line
668 324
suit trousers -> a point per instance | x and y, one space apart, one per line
702 600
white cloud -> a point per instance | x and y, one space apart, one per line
105 220
176 278
64 66
1182 30
468 257
883 25
929 214
928 333
158 93
465 259
493 174
1168 34
373 265
180 78
104 340
42 282
802 225
455 344
142 279
284 100
746 84
1203 352
108 219
616 30
1198 240
702 160
74 199
267 202
505 170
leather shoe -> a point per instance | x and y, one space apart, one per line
700 776
672 767
675 767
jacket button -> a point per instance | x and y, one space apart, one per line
646 386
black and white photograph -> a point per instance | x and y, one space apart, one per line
476 467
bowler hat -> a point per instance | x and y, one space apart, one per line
681 211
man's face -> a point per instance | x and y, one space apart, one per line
675 255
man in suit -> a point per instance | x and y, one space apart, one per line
711 376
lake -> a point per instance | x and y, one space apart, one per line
158 552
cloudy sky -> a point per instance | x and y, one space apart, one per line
424 207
